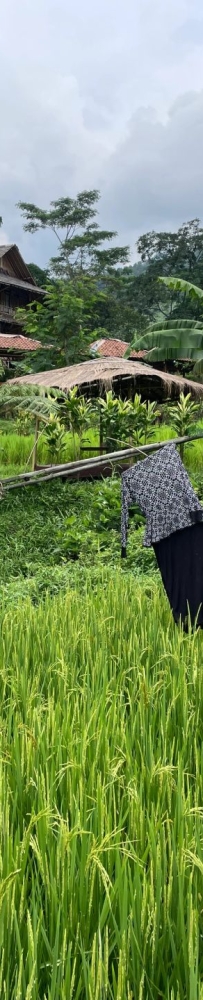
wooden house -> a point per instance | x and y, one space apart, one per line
17 290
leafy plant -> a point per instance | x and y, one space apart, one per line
150 417
115 420
136 418
75 412
106 507
183 416
54 434
24 423
142 419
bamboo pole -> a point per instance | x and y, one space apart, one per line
34 454
101 439
114 458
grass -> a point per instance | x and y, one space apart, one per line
101 846
101 760
16 449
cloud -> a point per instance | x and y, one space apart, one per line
190 32
154 178
77 82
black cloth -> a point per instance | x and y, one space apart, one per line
180 560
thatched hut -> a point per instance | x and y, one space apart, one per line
125 377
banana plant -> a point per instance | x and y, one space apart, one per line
174 339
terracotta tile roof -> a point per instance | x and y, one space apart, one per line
113 349
138 354
8 342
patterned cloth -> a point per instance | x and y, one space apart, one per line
162 489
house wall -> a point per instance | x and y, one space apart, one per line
10 300
5 265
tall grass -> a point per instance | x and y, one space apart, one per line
16 449
101 789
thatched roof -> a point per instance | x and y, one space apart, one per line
104 371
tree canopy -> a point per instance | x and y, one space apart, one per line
91 291
82 245
166 254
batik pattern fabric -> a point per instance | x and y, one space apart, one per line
160 486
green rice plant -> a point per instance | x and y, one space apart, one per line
101 790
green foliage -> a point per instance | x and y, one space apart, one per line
173 339
166 254
150 417
183 416
27 399
80 240
40 275
177 338
180 285
125 421
142 419
115 420
64 321
106 505
75 412
91 297
24 423
101 796
55 438
63 521
136 417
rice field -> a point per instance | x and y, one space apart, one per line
101 834
16 449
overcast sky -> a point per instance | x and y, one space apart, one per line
104 94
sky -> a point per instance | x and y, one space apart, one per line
106 95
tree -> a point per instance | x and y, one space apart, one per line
81 243
78 303
175 339
41 277
64 321
166 254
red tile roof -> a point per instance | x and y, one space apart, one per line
9 342
114 349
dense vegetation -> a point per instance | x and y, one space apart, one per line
101 788
101 728
92 291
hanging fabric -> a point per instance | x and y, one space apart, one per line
180 561
161 487
174 515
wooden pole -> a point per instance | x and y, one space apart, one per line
34 454
101 439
